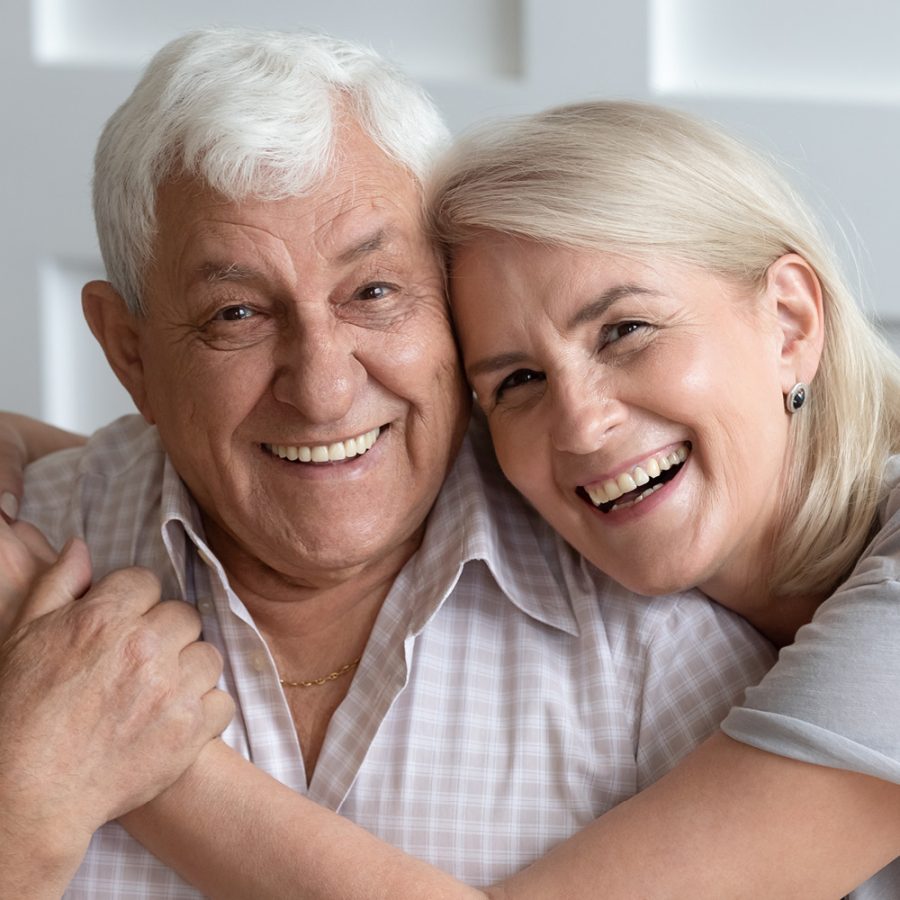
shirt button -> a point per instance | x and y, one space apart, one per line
259 662
205 606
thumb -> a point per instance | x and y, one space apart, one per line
65 581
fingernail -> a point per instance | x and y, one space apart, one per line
9 506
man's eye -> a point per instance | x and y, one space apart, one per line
234 313
517 379
613 333
375 291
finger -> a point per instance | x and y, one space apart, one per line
13 455
64 582
201 666
177 623
218 711
35 541
9 503
134 589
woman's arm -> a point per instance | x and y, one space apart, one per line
233 831
23 440
729 821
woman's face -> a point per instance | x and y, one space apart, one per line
637 405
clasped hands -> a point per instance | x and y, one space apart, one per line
106 697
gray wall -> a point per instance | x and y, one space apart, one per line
818 84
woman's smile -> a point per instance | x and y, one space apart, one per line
636 484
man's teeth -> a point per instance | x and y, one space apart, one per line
640 475
322 453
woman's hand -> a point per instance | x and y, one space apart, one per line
22 441
24 556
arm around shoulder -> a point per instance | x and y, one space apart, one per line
729 821
22 441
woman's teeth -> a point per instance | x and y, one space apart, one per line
323 453
649 472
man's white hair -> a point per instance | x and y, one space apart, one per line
252 113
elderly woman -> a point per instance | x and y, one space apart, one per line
675 375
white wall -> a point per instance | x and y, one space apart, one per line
816 83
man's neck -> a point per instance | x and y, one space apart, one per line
315 620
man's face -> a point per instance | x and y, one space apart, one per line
298 361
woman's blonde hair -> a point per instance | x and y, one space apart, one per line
647 181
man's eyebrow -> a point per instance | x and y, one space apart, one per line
608 298
588 313
213 273
369 244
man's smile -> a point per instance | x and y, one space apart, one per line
326 453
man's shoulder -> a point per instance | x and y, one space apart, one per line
61 489
667 619
543 573
108 453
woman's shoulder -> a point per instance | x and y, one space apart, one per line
880 561
890 506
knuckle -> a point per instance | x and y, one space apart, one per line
134 579
211 657
141 649
225 709
185 721
178 609
91 624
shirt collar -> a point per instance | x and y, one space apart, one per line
180 523
477 517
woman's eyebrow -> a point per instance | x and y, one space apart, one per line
588 313
493 363
608 298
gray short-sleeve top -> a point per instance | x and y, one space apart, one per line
833 697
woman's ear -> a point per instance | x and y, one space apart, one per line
117 330
795 295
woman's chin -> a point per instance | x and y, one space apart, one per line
648 583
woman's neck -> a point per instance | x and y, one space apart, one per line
751 596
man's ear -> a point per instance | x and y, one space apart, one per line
117 330
795 295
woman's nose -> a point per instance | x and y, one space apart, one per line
583 414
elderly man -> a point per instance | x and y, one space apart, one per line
405 641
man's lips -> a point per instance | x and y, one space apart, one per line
325 453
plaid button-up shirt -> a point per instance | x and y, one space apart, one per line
509 692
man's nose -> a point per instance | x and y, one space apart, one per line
317 372
583 414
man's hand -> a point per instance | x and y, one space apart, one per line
106 697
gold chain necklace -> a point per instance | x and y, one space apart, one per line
318 682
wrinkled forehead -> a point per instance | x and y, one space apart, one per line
363 193
355 218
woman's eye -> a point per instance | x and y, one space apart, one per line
613 333
517 379
375 291
234 313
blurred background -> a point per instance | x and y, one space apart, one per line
815 83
